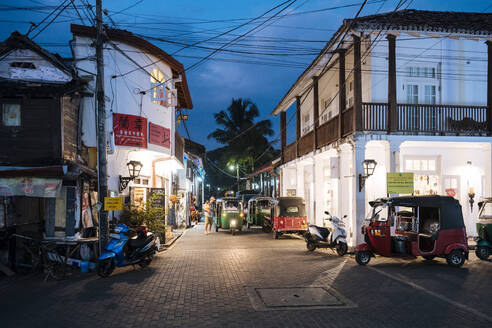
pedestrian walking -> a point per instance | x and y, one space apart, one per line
208 217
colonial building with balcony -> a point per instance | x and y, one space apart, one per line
410 90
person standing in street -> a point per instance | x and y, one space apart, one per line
212 210
208 217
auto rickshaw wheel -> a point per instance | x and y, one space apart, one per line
482 252
275 234
266 229
216 228
456 258
310 246
428 257
342 249
362 257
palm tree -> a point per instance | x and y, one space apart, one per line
245 141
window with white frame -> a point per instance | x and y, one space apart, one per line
306 119
430 94
412 93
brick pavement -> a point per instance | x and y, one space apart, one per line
202 281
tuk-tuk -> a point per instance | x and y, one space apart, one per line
229 214
427 226
484 229
289 216
259 209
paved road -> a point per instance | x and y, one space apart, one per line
218 280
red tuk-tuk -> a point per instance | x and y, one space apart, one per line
289 216
427 226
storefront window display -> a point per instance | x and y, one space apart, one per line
427 177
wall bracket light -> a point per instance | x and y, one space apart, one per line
369 167
134 168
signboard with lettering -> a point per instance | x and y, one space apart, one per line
400 183
31 187
159 135
158 197
130 130
113 203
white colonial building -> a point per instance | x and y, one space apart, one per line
145 88
411 90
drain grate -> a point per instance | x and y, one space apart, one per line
282 298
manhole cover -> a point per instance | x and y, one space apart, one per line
281 298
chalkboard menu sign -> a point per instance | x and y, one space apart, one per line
160 200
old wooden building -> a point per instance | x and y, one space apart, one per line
44 168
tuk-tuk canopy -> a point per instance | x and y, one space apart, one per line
230 203
451 215
260 199
290 207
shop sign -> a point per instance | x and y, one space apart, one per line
158 197
31 187
159 135
113 203
400 183
130 130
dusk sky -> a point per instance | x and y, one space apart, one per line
262 66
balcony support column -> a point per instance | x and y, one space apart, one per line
357 117
391 119
315 111
298 123
283 133
489 87
341 90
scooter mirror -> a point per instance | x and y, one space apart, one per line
344 216
327 213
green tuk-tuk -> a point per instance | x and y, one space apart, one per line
229 214
484 229
259 210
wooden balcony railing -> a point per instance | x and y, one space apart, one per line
374 116
179 148
290 152
408 118
441 118
306 143
327 132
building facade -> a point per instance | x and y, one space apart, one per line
410 90
145 88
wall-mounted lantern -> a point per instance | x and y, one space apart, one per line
134 168
369 167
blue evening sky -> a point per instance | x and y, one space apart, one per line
257 75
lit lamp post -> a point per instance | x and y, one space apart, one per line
231 167
134 168
369 167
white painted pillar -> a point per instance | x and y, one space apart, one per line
358 197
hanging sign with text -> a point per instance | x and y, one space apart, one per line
113 203
159 135
130 130
400 183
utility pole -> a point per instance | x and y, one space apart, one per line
101 128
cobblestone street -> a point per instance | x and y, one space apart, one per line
215 281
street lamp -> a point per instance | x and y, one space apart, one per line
232 167
134 168
369 166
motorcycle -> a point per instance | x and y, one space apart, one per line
127 247
319 237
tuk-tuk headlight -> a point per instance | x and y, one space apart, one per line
233 222
241 215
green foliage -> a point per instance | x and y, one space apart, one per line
245 142
148 215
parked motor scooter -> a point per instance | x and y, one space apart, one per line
319 237
127 247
